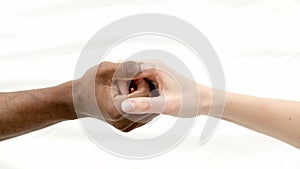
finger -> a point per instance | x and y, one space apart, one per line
142 105
133 70
135 124
115 90
143 89
141 118
124 70
142 121
107 69
131 126
127 70
147 71
123 87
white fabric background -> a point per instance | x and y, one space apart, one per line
257 42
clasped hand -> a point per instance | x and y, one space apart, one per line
130 94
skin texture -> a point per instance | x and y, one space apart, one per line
277 118
26 111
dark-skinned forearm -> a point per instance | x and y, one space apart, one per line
26 111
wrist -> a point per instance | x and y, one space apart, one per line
205 100
63 100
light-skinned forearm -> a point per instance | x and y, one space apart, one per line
277 118
26 111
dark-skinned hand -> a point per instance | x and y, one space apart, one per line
100 92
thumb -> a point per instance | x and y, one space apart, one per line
142 105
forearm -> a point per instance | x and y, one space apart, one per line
26 111
277 118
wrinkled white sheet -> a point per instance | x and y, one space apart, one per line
257 42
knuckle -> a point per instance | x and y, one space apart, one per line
144 92
115 115
102 67
145 105
131 68
105 68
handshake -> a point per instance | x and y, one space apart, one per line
130 94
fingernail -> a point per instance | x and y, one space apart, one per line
128 106
145 66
